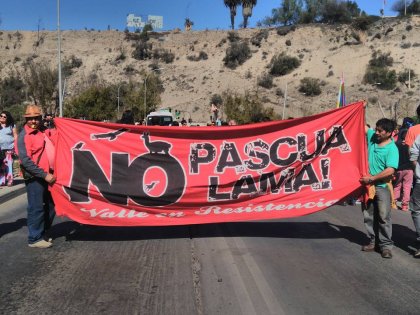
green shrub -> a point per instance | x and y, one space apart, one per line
284 30
363 22
233 37
236 54
389 30
403 75
129 69
405 45
257 38
384 78
201 56
265 81
167 56
142 50
381 60
69 64
279 92
378 73
283 64
246 108
12 90
373 99
121 57
216 99
310 86
221 43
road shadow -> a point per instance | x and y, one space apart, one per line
10 227
404 238
298 230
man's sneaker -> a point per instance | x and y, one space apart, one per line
404 207
40 244
417 254
368 248
386 253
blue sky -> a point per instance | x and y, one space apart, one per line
98 14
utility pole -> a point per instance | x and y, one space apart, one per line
409 79
145 92
284 103
60 93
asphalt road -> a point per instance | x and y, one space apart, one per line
308 265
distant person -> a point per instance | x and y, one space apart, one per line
36 168
383 161
175 123
8 136
127 117
214 109
413 131
404 175
415 196
49 121
233 122
416 118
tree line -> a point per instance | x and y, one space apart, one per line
292 12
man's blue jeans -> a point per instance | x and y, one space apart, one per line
377 216
415 209
41 210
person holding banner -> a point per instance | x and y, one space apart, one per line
383 161
36 169
8 136
415 196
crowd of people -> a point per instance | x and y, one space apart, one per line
8 136
393 181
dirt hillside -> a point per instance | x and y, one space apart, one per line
325 53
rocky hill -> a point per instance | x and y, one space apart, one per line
325 53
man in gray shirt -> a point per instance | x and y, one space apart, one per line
415 195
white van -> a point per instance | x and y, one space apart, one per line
160 118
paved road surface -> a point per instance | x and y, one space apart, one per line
308 265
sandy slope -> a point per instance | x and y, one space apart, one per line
189 84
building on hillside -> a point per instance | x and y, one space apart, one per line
138 22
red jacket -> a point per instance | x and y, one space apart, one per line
30 145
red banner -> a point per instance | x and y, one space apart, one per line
125 175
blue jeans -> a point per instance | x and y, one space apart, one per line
415 209
41 210
377 217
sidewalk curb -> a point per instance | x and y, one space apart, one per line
12 194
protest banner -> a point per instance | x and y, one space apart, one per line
125 175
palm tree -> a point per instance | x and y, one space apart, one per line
232 4
188 24
247 6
